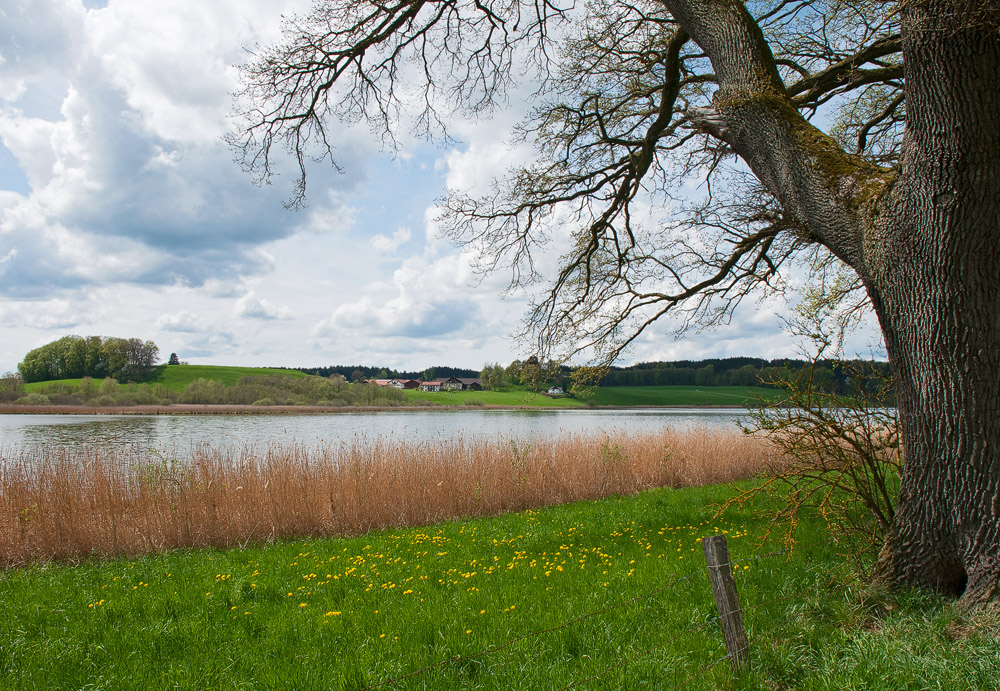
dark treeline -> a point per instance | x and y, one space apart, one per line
73 357
834 376
354 373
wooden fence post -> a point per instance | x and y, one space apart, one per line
720 572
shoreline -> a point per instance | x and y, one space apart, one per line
205 409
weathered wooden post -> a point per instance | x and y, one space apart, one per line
720 572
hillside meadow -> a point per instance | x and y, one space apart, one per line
177 377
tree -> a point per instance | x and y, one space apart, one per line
492 376
173 359
72 356
890 197
11 386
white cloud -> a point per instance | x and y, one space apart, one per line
251 307
130 181
184 321
386 244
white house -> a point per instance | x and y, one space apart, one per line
394 383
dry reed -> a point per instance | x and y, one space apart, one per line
71 504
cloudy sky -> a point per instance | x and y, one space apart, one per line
123 214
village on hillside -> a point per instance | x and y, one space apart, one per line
449 384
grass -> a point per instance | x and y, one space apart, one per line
474 599
177 377
511 397
684 395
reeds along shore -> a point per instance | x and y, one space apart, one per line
75 503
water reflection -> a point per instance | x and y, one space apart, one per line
178 433
140 430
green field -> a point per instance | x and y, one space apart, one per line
177 377
513 602
510 397
684 395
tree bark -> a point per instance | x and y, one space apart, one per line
933 269
927 246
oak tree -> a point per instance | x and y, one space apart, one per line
859 136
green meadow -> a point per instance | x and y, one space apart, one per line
514 396
608 594
177 377
684 395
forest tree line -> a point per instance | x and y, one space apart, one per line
361 373
74 357
832 376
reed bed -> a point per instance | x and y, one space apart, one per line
71 504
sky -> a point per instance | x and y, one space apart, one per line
122 212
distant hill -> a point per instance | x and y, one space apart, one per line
177 377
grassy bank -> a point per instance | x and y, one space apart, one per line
684 395
232 386
611 594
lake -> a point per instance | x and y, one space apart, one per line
179 432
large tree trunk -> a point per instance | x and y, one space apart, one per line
934 275
943 334
927 246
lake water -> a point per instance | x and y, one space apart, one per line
180 432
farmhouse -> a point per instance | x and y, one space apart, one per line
394 383
450 384
462 384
